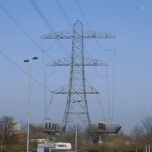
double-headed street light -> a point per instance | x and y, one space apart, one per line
29 97
76 127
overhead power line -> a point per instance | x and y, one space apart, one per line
42 16
17 66
80 10
87 23
47 24
113 83
23 30
33 41
64 13
67 18
72 10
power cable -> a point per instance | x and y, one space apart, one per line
45 81
99 74
108 94
76 2
49 104
42 16
70 23
52 31
64 13
99 101
113 88
72 9
87 23
50 46
107 76
33 41
48 25
68 20
23 30
102 47
17 66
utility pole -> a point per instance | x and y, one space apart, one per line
77 89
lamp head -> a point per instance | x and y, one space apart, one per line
35 58
26 60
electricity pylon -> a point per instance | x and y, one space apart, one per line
77 88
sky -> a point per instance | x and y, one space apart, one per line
125 95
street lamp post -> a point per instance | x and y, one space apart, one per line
76 127
29 97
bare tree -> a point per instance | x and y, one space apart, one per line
7 125
138 136
23 127
147 127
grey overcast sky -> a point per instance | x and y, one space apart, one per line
125 95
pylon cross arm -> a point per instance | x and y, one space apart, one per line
87 62
94 34
70 35
65 90
60 62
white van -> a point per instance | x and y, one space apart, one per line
54 147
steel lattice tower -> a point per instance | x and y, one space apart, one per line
77 88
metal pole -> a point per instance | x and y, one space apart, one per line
29 100
76 128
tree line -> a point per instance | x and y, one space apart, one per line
13 137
